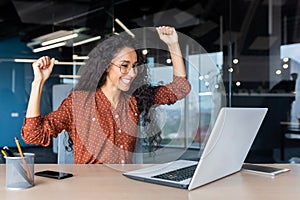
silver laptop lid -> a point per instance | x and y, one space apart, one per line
228 144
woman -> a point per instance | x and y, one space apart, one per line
112 96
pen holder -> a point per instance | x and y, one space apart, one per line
20 171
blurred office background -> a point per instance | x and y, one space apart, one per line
253 43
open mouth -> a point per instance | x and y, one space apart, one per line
126 81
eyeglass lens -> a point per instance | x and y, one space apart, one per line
125 68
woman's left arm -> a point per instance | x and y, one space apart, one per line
179 87
169 36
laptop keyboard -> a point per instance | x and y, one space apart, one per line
179 174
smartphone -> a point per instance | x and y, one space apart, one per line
54 174
264 169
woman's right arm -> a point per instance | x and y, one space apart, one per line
32 129
42 69
41 129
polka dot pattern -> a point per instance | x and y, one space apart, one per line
100 133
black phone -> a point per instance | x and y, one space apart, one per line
264 169
54 174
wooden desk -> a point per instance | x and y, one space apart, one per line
107 182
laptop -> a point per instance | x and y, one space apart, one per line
224 152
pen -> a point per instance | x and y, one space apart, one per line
22 155
8 151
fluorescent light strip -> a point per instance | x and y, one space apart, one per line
205 94
49 47
68 63
124 27
21 60
86 41
68 76
76 57
60 39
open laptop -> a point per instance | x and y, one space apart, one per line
224 153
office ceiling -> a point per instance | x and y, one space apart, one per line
246 23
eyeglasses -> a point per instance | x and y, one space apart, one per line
125 67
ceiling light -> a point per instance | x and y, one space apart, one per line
205 93
278 72
31 60
22 60
124 27
145 51
285 66
60 39
235 61
86 41
168 61
49 47
68 76
285 59
68 63
76 57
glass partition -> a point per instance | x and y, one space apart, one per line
252 46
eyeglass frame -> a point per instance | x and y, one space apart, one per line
134 66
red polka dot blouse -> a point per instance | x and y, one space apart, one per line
100 133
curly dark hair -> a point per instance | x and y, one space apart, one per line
100 58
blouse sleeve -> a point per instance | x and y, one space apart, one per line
172 92
40 129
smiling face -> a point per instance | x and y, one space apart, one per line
117 80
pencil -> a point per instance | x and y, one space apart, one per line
19 147
3 152
22 155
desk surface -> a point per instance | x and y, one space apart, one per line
107 182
